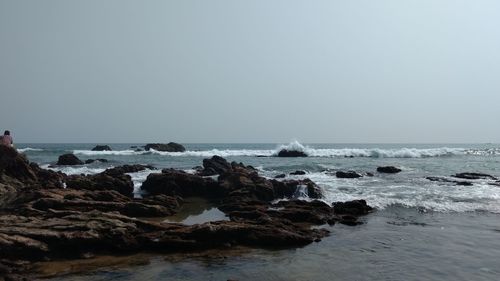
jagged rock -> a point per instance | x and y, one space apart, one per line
69 159
291 153
96 215
388 170
215 166
103 181
168 147
297 173
347 175
474 176
101 148
179 183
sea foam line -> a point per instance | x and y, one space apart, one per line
344 152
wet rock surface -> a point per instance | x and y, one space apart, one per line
96 214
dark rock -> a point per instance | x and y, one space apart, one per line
388 170
101 148
216 166
178 183
280 176
168 147
291 153
347 175
95 214
103 181
474 176
15 166
297 173
69 159
445 180
125 169
368 174
354 208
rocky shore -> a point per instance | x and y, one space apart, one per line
47 215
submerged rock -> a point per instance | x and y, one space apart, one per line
445 180
474 176
291 153
90 161
69 160
347 175
280 176
125 169
388 170
167 147
101 148
298 173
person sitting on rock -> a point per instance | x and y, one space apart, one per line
6 139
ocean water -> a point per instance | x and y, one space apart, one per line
422 230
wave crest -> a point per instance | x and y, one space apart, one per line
310 151
28 149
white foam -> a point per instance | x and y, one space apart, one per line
28 149
138 178
375 152
75 170
416 193
113 152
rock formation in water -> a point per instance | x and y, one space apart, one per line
102 148
69 159
97 214
167 147
388 170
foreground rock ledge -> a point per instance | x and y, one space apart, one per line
41 221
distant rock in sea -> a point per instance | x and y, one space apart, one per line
388 170
347 175
101 148
69 159
291 153
474 176
166 147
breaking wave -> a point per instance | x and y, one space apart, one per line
22 150
312 152
418 193
76 170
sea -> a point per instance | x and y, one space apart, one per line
420 230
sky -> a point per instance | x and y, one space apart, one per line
360 71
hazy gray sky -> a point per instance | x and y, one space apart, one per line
250 71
